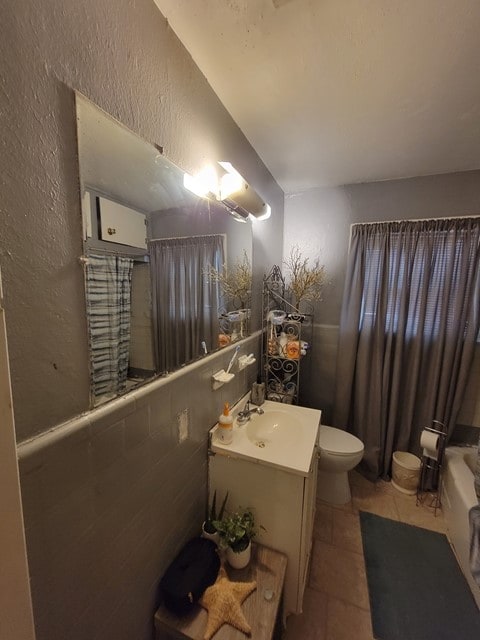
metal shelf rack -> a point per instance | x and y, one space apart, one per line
286 341
430 484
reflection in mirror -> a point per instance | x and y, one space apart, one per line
159 260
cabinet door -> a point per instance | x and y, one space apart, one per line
121 224
276 498
310 493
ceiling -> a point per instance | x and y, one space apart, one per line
333 92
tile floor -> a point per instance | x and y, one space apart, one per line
336 604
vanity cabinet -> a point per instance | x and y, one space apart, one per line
283 502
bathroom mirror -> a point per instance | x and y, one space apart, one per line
149 242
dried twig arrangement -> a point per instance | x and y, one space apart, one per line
305 284
236 282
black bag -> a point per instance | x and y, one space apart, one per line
194 569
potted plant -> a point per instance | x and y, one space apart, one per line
209 530
237 531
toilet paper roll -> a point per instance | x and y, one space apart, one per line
430 443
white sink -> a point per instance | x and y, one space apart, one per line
284 436
273 428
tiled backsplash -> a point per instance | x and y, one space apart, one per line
111 496
317 386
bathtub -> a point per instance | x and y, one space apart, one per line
458 496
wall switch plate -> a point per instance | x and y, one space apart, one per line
182 425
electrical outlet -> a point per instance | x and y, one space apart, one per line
182 425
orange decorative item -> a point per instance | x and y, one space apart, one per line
292 350
223 340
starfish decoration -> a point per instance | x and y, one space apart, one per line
222 601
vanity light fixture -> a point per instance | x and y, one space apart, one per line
231 181
237 217
237 195
203 184
266 214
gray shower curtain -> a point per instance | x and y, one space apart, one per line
108 294
185 301
409 324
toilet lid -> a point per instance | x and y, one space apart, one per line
338 441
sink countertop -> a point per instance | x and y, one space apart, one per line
285 436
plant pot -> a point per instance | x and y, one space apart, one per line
239 559
214 537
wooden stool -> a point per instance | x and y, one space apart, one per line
261 607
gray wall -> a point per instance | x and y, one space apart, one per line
319 220
109 498
128 61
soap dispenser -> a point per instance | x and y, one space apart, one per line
225 425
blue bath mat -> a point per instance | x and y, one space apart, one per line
417 590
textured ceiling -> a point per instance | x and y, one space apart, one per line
340 91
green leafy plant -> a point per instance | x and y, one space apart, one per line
211 515
236 529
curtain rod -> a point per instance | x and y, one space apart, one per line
210 235
358 224
136 257
354 224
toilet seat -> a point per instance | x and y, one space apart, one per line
338 443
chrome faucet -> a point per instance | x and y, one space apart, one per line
244 416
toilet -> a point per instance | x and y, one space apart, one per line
339 453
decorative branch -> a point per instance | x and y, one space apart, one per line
305 283
236 282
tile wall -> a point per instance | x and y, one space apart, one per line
110 497
318 371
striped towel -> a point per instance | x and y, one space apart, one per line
477 473
474 518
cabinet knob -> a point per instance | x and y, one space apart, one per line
111 231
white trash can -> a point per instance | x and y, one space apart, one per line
405 472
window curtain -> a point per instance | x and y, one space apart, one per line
108 293
185 301
409 323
